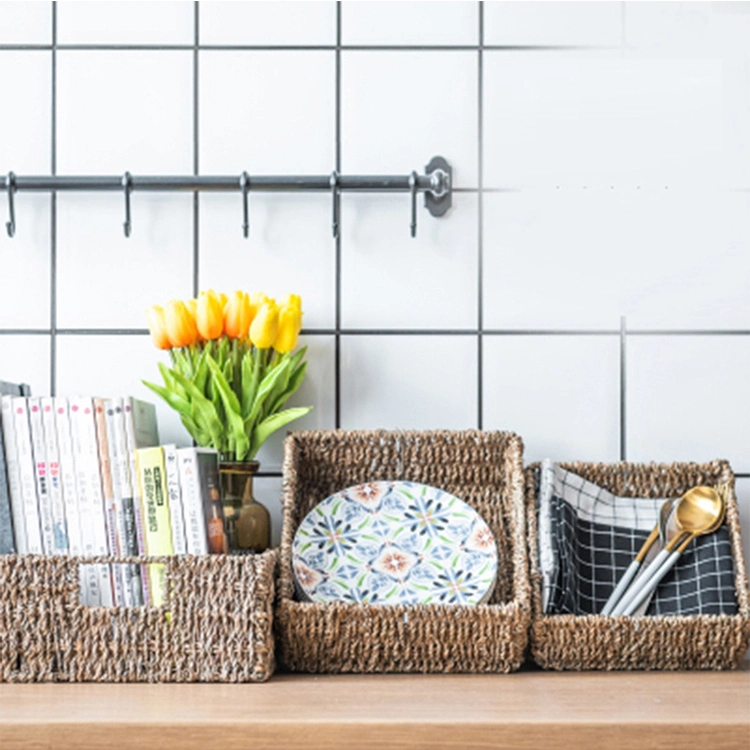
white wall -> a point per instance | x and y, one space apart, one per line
611 141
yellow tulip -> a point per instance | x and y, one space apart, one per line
158 327
209 315
265 325
180 324
223 299
290 324
257 300
237 316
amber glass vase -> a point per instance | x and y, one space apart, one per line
248 522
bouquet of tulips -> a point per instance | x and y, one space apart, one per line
233 367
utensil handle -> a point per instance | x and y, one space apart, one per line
652 583
642 581
614 597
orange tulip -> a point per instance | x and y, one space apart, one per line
265 325
158 327
209 315
180 324
237 316
223 299
290 324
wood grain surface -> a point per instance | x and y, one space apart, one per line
530 709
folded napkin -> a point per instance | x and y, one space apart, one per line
588 537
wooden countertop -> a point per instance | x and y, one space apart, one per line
530 709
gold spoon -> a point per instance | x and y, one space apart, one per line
699 511
635 566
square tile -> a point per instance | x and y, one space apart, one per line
599 120
26 359
268 23
25 264
399 109
107 280
417 23
391 280
553 23
409 382
153 22
317 390
582 258
25 23
26 136
267 491
281 119
559 393
290 249
687 399
743 501
115 366
119 111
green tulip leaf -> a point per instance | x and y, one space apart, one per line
203 412
264 389
250 381
238 439
295 381
275 422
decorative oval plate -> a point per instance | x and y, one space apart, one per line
394 543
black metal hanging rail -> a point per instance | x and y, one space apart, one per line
436 184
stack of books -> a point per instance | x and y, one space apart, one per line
87 477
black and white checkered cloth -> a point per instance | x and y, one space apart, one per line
588 537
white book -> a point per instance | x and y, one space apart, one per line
176 515
70 499
90 498
28 475
119 462
141 431
41 475
54 483
192 501
14 476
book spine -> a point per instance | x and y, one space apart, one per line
70 497
213 510
41 475
175 500
157 526
110 512
195 522
28 475
7 545
90 500
118 455
57 503
12 474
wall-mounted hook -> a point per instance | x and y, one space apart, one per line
127 186
245 185
334 183
10 186
413 190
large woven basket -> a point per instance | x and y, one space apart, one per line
484 469
216 626
660 642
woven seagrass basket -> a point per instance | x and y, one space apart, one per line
660 642
216 625
482 468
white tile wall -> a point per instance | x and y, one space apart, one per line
412 23
391 280
560 393
26 359
25 23
688 399
124 111
268 23
408 382
399 109
153 22
267 112
267 490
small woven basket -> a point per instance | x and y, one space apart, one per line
660 642
216 625
482 468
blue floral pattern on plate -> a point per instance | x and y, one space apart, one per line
394 543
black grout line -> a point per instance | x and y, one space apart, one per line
53 215
337 342
480 218
623 388
196 199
